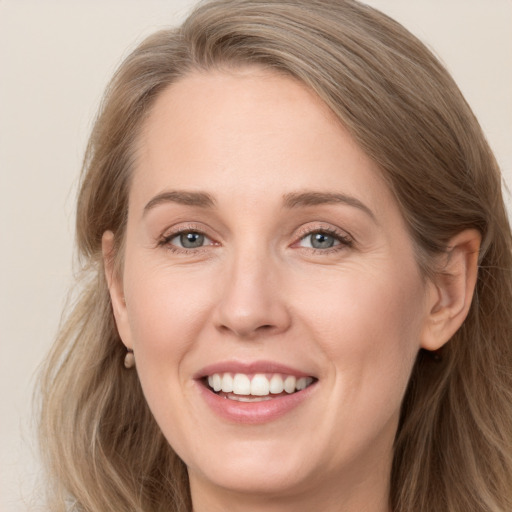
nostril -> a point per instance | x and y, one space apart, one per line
264 330
248 331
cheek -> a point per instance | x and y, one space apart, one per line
369 327
166 316
380 309
166 313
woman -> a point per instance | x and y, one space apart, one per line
297 278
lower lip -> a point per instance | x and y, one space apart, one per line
254 412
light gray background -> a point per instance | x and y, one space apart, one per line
55 59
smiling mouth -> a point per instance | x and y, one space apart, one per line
255 387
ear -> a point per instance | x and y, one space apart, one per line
452 289
115 288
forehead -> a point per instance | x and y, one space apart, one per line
248 132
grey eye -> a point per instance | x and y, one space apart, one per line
322 241
319 240
191 240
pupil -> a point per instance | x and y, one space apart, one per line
322 241
191 240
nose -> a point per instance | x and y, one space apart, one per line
252 301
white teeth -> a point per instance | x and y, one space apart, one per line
276 384
241 384
259 385
227 383
217 382
301 383
289 384
247 398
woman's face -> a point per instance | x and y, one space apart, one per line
263 250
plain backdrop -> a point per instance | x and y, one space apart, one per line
55 59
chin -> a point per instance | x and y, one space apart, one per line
262 478
254 467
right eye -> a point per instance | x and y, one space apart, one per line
186 240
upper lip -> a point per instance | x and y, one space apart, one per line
249 368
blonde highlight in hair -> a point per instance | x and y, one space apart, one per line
453 449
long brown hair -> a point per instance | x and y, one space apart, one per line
453 449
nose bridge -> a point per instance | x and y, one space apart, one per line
250 302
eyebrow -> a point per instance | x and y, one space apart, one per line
291 200
200 199
297 200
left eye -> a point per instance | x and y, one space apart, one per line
189 240
319 240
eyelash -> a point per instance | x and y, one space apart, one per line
165 241
343 239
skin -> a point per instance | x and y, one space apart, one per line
353 315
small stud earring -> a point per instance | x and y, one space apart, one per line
129 359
